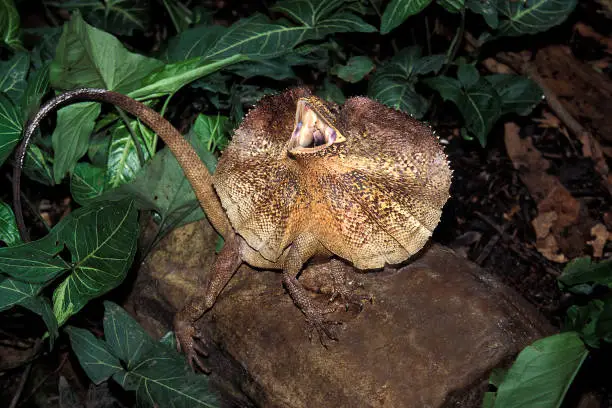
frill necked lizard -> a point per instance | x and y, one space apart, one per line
301 177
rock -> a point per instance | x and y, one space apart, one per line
433 332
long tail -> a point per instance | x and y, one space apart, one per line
195 171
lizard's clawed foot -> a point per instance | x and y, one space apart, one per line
326 329
191 342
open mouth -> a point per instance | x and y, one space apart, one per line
311 132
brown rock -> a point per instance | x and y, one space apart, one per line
434 331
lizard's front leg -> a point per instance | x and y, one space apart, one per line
300 251
225 266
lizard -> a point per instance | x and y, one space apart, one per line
301 178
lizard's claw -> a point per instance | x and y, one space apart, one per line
192 344
326 329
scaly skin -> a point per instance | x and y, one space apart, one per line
371 192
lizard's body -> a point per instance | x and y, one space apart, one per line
302 178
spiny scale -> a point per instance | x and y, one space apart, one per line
372 199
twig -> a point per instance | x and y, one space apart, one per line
591 146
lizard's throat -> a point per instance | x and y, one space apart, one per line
312 132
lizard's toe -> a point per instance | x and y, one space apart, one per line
191 343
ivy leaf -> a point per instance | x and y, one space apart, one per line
94 355
9 25
14 292
13 75
542 372
355 70
116 16
157 373
42 307
102 242
170 78
581 275
38 165
123 162
331 92
211 131
452 6
10 127
161 186
87 57
87 183
398 11
394 82
9 234
71 135
37 87
194 42
532 16
487 9
517 93
479 104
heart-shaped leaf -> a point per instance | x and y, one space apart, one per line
398 11
532 16
355 70
10 127
13 75
9 234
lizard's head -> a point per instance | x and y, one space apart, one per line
315 128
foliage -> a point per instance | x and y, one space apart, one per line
115 166
544 370
129 356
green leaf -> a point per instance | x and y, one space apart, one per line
278 68
580 275
38 165
532 16
36 262
14 292
517 93
88 57
42 307
124 336
593 321
161 186
87 183
194 42
452 6
211 131
542 372
9 234
157 373
10 127
257 37
38 84
355 70
331 92
123 162
93 354
13 75
398 11
479 104
468 75
118 16
75 123
170 78
487 9
394 82
102 242
9 24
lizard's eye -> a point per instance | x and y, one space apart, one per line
312 132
